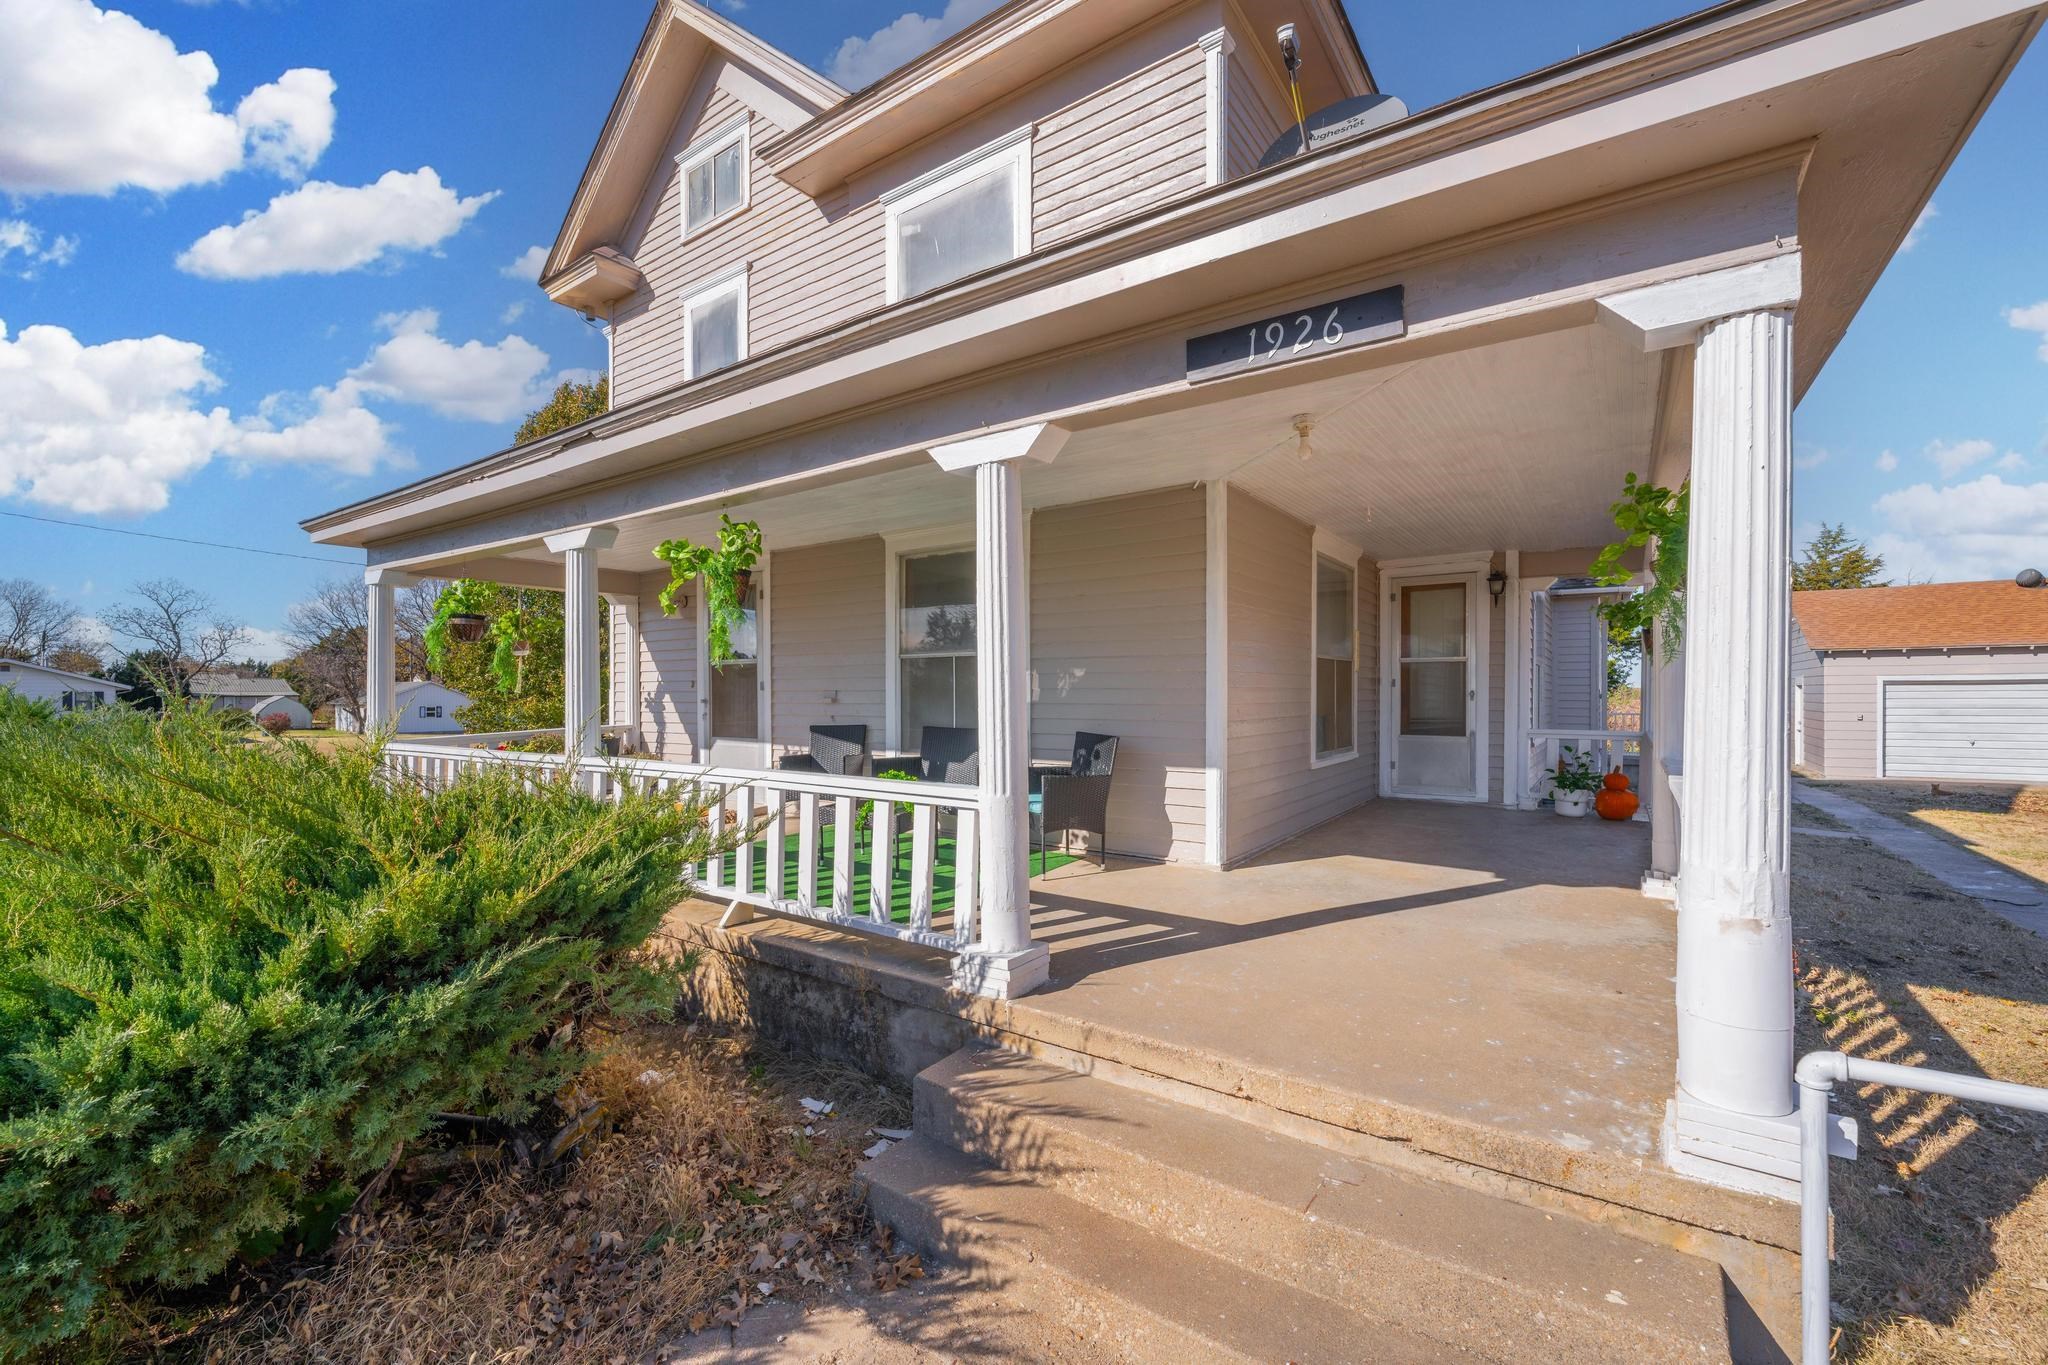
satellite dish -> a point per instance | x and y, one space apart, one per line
2029 578
1339 122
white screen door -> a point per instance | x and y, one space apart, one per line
1434 690
734 694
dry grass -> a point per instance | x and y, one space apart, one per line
2007 824
706 1191
1942 1222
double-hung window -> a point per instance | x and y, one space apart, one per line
935 644
715 323
1334 699
965 216
714 175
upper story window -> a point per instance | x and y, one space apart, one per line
968 215
714 172
715 323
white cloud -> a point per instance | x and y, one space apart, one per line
482 383
25 238
1915 233
862 61
325 229
1811 459
1953 457
1887 462
93 100
1986 528
513 312
289 122
2031 319
265 646
527 268
107 429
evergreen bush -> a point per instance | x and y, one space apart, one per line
236 978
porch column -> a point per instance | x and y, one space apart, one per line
622 705
381 684
1732 1120
1005 962
1664 676
581 705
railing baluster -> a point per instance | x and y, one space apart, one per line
924 822
966 874
743 808
842 854
778 885
714 817
807 851
882 863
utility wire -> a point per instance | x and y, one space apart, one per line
181 540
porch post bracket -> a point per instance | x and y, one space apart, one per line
1041 441
1674 312
381 685
581 716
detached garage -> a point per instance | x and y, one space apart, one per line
1944 681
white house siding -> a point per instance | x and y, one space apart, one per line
35 684
1116 134
1573 701
828 664
1130 145
1118 640
1257 111
1810 681
668 676
1851 702
1273 791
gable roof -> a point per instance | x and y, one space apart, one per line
228 685
8 665
1923 616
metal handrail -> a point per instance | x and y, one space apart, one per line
1818 1074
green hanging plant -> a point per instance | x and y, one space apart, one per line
474 597
1649 513
737 551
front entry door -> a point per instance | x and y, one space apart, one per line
1432 678
733 695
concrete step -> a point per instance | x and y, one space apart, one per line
1119 1291
1501 1278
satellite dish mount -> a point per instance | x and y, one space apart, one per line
1290 55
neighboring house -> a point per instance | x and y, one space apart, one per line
1058 414
1945 681
66 691
259 697
425 707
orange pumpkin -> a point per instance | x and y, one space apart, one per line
1615 801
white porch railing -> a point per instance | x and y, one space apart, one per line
1608 749
889 858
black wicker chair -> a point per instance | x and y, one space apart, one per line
1075 798
836 750
945 753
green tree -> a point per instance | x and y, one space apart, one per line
1834 560
572 403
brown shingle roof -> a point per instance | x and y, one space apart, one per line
1926 616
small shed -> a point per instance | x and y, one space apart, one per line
65 690
259 697
1937 681
425 707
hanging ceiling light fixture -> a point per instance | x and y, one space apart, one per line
1304 425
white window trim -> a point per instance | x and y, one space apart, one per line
1217 48
732 280
1346 556
764 676
1013 149
738 128
897 547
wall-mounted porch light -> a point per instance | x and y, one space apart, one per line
1304 427
1497 584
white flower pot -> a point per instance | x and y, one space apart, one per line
1574 804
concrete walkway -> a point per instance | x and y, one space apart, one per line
2000 890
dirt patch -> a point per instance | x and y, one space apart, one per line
1942 1222
715 1194
2006 824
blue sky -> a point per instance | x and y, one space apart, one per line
171 368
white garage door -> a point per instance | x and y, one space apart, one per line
1990 730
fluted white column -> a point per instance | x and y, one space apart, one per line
582 706
1001 698
380 702
1734 923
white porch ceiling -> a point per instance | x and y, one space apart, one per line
1521 444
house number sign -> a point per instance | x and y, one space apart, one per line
1342 323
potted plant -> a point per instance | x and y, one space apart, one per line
1574 783
727 571
467 627
460 606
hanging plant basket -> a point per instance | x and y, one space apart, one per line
468 627
727 571
521 648
742 583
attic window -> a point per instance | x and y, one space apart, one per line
715 323
963 217
714 174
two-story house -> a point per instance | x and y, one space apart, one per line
1066 411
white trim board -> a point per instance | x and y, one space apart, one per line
1341 552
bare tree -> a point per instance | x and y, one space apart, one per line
34 622
179 628
329 634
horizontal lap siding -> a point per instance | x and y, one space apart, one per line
1851 701
1254 119
1806 668
1274 792
1118 639
827 661
668 676
1120 150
